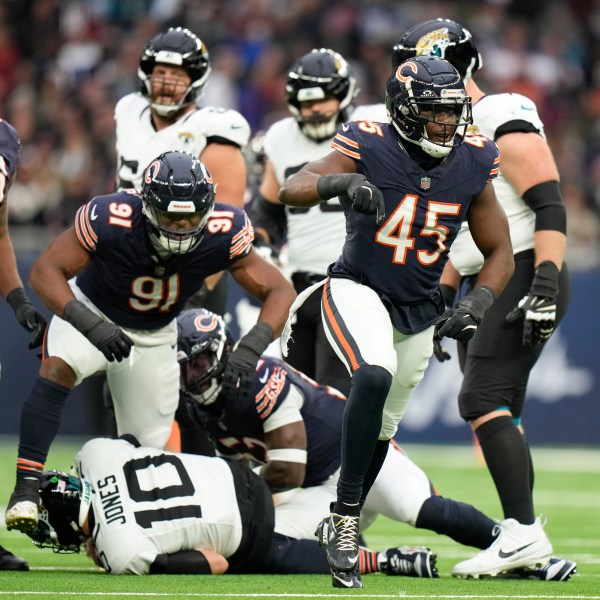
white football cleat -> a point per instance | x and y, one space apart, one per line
516 546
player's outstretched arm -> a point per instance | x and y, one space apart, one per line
332 176
49 275
489 227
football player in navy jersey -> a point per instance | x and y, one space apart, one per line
405 187
11 286
115 282
292 427
497 361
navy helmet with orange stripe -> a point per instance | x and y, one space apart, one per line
427 104
204 342
318 75
178 197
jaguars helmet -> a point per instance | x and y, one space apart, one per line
204 342
424 90
64 504
320 74
443 38
180 47
177 186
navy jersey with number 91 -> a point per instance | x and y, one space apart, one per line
127 280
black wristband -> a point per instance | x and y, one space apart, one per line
331 186
80 316
17 298
477 302
258 338
545 280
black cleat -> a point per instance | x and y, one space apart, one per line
410 561
22 510
556 569
339 535
345 579
10 562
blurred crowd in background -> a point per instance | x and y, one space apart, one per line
65 63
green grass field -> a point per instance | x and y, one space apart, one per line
567 491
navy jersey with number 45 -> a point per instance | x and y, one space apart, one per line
403 258
128 281
240 434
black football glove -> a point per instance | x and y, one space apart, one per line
538 307
240 368
28 316
110 339
461 322
365 197
449 295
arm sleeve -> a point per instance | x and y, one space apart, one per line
185 562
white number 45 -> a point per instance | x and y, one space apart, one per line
397 229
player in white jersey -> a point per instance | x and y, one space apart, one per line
320 90
174 69
497 361
145 511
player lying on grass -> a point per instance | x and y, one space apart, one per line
140 510
292 426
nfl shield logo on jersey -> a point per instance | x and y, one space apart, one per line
425 183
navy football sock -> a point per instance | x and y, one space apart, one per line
507 458
462 522
362 424
40 421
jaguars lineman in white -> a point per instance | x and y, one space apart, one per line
497 361
319 91
174 69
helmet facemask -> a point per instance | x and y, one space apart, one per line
177 47
64 504
178 197
204 343
170 239
428 108
319 75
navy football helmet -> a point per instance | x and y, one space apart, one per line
177 187
317 75
64 502
204 342
428 90
443 38
180 47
